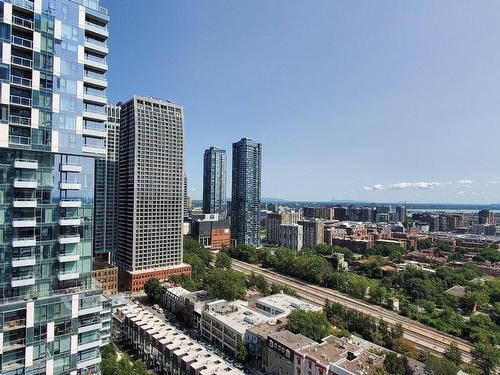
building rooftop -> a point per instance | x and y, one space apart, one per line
178 291
236 315
265 329
96 266
283 304
291 340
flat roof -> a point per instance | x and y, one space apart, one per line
286 303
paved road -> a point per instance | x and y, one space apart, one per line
421 336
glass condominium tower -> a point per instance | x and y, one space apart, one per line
214 181
245 203
52 100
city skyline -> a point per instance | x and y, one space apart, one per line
248 70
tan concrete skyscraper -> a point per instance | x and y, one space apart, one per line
151 192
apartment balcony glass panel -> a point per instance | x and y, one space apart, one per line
65 258
19 141
24 261
70 222
97 29
12 325
24 222
19 120
21 61
26 4
23 22
71 168
26 164
70 186
20 100
70 203
69 239
24 242
14 344
20 81
24 203
21 42
25 183
25 280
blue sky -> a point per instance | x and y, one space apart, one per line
373 100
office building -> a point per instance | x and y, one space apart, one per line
313 232
107 275
51 132
211 232
291 236
151 194
245 203
214 182
486 217
106 191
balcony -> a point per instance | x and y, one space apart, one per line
90 310
96 62
20 81
24 223
69 239
70 186
24 261
94 150
21 42
95 113
23 4
25 183
71 168
96 45
90 327
70 203
13 344
95 133
26 164
23 22
20 100
20 120
25 280
64 258
84 363
95 97
64 276
97 29
19 141
24 242
21 61
70 222
89 345
25 203
12 325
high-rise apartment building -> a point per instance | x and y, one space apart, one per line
401 213
106 191
53 97
291 236
151 194
245 203
486 217
186 201
274 221
214 181
313 232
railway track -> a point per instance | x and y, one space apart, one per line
421 336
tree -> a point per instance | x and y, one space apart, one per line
152 288
487 357
379 371
439 366
393 364
241 354
225 284
453 354
223 260
311 324
476 297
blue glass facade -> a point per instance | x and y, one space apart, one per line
214 181
245 203
50 308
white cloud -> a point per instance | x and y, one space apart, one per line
465 183
493 182
460 192
405 185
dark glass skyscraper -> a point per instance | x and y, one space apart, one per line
245 204
214 181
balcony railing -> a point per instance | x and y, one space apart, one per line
23 4
13 344
20 41
91 24
17 60
95 41
21 100
90 74
26 164
19 140
20 81
100 93
14 324
19 120
25 261
22 22
101 60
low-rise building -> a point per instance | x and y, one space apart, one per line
281 304
173 296
210 231
107 275
165 349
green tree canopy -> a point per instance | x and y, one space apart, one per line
487 357
152 288
225 284
223 260
311 324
